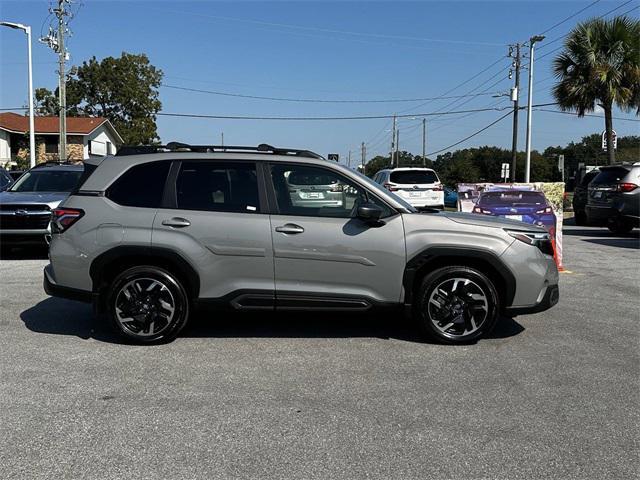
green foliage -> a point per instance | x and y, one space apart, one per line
124 90
600 65
46 103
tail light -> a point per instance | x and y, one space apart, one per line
545 210
390 186
481 210
438 188
63 218
627 187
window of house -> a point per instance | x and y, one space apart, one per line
218 187
51 144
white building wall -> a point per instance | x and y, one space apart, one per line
101 135
5 147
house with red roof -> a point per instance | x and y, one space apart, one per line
86 137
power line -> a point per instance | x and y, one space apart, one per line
361 117
316 100
570 17
342 32
587 115
352 117
472 135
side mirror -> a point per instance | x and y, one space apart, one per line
369 212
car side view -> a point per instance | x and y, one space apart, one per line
155 232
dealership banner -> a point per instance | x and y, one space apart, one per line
536 203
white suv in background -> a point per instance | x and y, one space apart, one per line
420 187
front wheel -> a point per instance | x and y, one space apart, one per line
147 304
456 305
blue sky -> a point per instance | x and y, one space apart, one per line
319 50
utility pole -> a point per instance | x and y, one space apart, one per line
55 41
222 139
515 93
397 147
349 160
393 140
363 154
62 90
527 169
424 142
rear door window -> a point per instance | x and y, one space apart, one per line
141 186
609 176
413 177
218 187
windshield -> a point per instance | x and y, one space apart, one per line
512 198
413 176
47 181
383 191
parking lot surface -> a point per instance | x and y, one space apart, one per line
552 395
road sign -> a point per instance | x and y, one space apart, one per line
505 171
334 157
604 140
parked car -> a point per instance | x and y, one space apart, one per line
529 206
420 187
25 208
450 198
147 245
579 201
310 190
614 198
15 174
5 180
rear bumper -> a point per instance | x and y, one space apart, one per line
600 215
55 290
549 299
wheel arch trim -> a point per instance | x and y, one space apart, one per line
432 254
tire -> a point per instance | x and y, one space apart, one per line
451 300
619 226
580 218
147 305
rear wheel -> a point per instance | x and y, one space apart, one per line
456 304
580 218
619 225
147 304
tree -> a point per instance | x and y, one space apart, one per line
46 102
600 65
124 90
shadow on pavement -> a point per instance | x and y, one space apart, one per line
632 242
24 253
64 317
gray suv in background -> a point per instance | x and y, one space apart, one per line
155 232
613 198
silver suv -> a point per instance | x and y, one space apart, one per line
149 237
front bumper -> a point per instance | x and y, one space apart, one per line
549 299
55 290
24 237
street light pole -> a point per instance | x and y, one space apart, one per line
32 133
527 170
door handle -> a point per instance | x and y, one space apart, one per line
176 222
290 228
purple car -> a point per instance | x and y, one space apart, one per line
525 205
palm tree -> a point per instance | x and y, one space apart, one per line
600 65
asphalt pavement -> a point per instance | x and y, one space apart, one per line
552 395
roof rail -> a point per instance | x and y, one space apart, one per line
48 163
184 147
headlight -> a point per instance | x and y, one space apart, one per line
540 240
